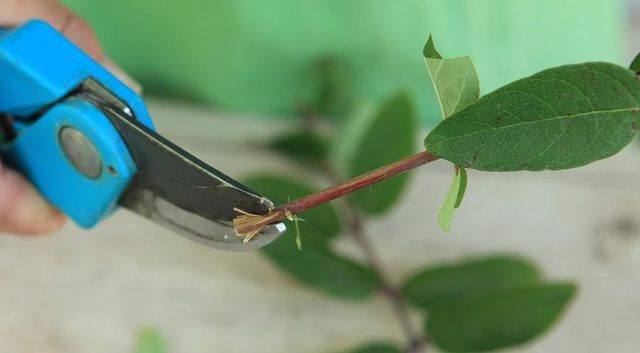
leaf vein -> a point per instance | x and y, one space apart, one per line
579 115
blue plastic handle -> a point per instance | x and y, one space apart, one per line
39 68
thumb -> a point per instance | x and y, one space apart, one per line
22 209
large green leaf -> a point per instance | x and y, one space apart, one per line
559 118
316 265
376 347
372 139
150 341
455 80
440 284
497 319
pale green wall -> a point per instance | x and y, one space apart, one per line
249 55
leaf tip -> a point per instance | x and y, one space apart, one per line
429 50
445 218
400 98
635 64
445 227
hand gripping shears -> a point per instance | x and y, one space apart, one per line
88 144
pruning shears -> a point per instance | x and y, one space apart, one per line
88 144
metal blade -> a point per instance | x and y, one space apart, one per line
174 188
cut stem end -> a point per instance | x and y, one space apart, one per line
248 225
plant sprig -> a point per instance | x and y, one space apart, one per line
248 225
560 118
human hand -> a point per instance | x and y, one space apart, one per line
22 208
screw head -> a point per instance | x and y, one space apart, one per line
81 152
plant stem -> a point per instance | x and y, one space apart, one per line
249 225
415 340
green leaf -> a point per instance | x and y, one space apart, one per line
455 80
440 284
316 265
463 185
377 347
296 222
319 267
560 118
456 84
635 64
150 341
327 87
373 139
453 200
301 146
498 319
429 51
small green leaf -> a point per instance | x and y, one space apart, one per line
560 118
457 85
376 347
301 146
463 186
296 222
150 341
499 319
635 64
372 139
451 282
316 265
429 50
455 80
298 237
453 200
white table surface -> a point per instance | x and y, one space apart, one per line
81 291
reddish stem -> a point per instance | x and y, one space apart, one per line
300 205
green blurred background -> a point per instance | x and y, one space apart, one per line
259 55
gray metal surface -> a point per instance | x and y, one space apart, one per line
179 191
81 152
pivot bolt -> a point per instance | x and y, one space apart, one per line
81 152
